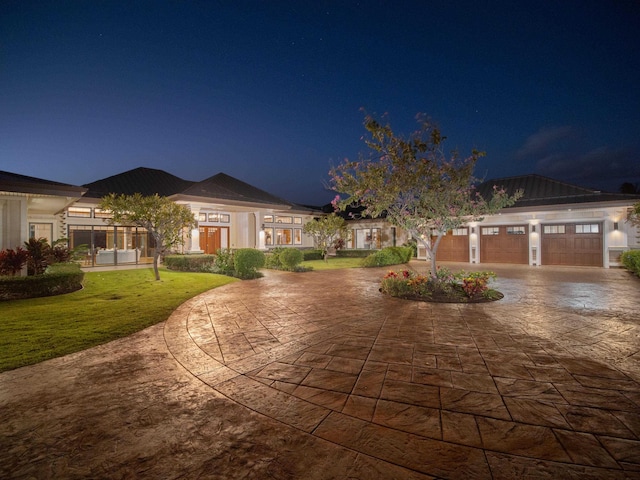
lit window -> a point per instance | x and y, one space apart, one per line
553 229
268 219
202 217
588 228
297 220
490 230
213 217
79 212
297 236
224 218
99 213
268 236
280 219
516 230
460 232
283 236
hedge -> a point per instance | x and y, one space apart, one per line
58 279
388 256
631 261
189 263
354 253
312 255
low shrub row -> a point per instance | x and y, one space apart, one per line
190 263
354 253
388 256
631 261
57 279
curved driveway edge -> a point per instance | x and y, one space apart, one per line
544 381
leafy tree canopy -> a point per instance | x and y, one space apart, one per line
325 230
165 220
413 183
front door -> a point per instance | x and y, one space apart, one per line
214 238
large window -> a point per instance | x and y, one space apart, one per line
109 245
84 212
41 230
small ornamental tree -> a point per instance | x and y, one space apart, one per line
165 220
325 231
413 182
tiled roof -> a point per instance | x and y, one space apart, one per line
540 191
146 181
13 182
225 187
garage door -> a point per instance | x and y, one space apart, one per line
504 244
454 246
577 244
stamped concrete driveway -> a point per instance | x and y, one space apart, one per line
319 376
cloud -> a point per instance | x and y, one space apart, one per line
544 139
561 153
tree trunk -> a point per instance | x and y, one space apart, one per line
156 257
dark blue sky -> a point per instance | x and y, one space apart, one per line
270 92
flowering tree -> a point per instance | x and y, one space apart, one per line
325 230
413 182
163 219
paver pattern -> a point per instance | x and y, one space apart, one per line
323 377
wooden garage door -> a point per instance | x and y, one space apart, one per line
454 246
504 244
577 244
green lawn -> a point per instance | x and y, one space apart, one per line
113 304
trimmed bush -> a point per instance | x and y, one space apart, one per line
386 256
290 258
189 263
354 253
247 261
223 262
58 279
272 259
631 261
312 255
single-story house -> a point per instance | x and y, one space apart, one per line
230 214
554 223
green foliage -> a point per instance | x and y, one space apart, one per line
38 255
325 231
445 286
12 261
312 255
57 279
189 263
631 261
387 256
290 258
223 263
353 253
247 261
272 259
165 220
634 215
413 183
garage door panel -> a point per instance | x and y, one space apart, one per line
501 245
454 248
563 244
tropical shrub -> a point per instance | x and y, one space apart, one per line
39 254
631 261
247 261
445 286
12 261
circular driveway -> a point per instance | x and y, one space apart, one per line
318 375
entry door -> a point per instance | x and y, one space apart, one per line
213 238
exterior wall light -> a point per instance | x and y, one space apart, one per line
615 225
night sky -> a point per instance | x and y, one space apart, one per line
271 92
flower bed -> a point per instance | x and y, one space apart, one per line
445 286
